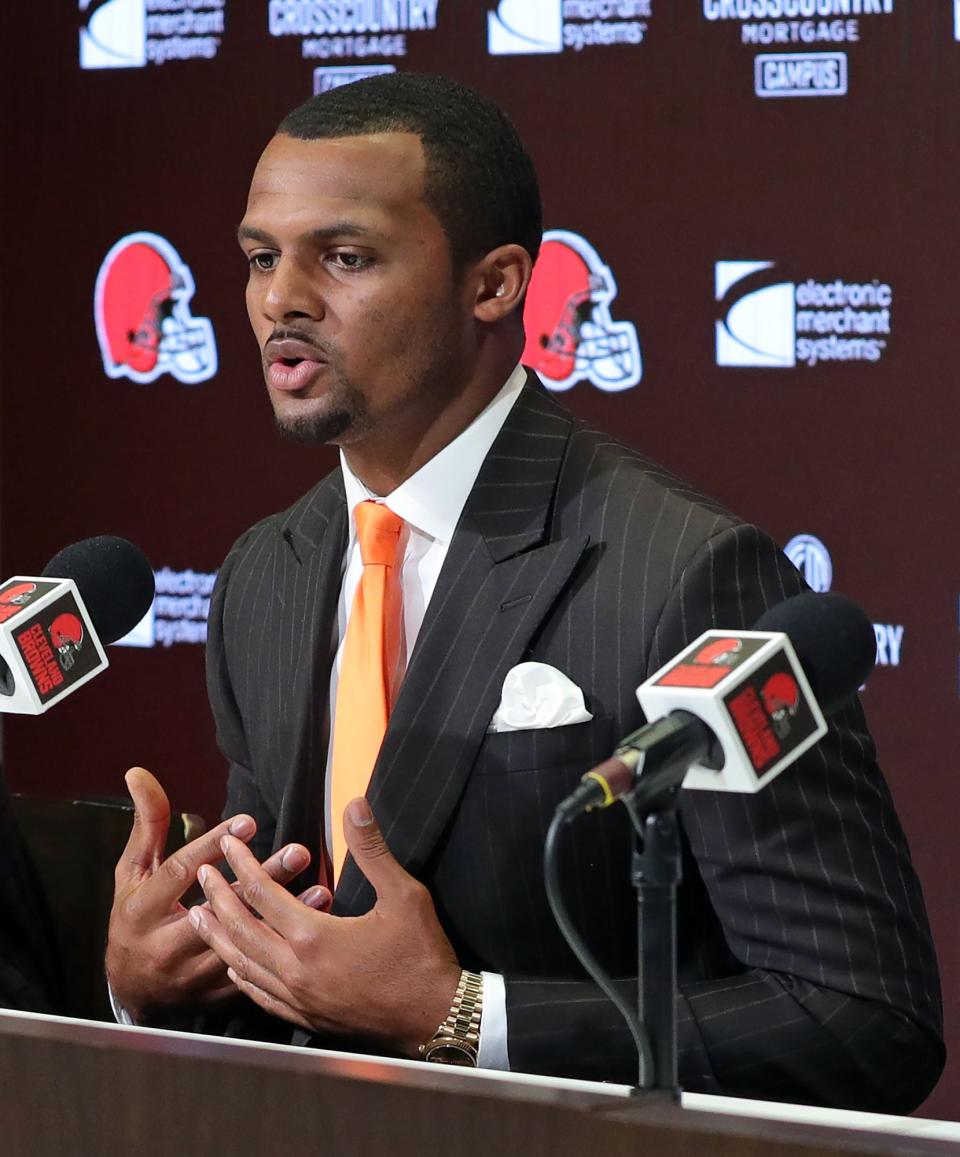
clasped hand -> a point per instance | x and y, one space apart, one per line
387 976
155 962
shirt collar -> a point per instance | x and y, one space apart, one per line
433 499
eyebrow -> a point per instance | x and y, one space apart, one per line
328 233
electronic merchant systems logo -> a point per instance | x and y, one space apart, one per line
765 320
570 333
525 27
133 33
812 559
351 29
141 308
804 24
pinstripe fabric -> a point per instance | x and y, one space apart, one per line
806 966
29 972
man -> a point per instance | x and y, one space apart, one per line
391 229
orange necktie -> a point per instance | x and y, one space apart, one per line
369 669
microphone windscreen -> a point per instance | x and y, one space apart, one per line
114 578
834 641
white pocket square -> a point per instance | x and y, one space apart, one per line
538 695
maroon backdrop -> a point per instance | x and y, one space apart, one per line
675 139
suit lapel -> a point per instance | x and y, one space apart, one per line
314 539
500 578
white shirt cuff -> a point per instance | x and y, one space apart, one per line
120 1014
492 1053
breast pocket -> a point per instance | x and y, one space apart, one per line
578 745
518 780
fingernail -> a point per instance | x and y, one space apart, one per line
359 812
293 859
195 916
316 896
225 844
242 826
202 873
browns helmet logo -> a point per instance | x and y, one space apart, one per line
66 634
781 700
18 595
570 333
718 651
142 313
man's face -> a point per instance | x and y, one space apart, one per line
351 294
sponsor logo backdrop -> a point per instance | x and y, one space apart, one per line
751 274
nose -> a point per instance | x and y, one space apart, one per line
292 292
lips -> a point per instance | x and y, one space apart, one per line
292 365
293 376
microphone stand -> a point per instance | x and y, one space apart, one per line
659 770
656 872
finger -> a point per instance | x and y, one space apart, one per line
238 920
287 863
151 822
267 1002
177 873
273 902
318 897
247 945
284 865
368 847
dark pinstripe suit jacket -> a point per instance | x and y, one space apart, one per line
806 966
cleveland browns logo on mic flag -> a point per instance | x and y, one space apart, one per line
142 314
570 333
718 651
17 594
711 664
781 699
66 634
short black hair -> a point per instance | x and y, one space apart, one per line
480 181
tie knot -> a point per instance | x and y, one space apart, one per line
378 533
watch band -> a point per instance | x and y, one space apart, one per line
457 1040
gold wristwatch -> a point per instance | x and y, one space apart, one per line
457 1040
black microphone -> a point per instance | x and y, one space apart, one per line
736 708
53 627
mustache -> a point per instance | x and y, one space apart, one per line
295 333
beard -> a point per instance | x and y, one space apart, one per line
338 416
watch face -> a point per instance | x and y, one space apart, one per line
450 1052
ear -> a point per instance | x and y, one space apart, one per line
501 280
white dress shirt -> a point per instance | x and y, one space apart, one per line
430 503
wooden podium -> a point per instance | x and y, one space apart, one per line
77 1088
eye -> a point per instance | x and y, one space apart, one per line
261 262
351 261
